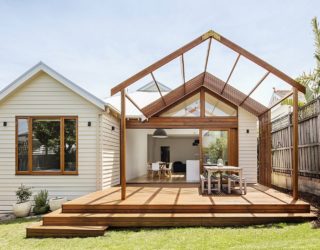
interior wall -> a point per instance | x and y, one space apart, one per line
181 148
136 152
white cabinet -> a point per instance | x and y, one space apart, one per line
192 170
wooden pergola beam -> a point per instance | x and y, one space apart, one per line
156 83
183 74
123 181
256 60
135 104
207 56
295 150
255 87
158 64
231 72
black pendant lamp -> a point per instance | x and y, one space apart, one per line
160 133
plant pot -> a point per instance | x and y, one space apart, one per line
56 203
22 209
41 210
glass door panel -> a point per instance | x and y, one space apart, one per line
214 146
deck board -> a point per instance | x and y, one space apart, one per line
146 195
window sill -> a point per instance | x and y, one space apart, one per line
47 173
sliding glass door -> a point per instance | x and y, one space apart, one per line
215 146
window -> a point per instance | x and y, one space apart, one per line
47 145
215 107
188 108
215 146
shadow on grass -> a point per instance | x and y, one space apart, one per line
19 221
260 226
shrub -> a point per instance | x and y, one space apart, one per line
23 194
41 202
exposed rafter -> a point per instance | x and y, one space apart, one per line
237 97
231 72
208 54
158 64
156 83
254 59
255 87
183 74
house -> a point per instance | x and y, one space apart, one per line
282 109
80 152
59 137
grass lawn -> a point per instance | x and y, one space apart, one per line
277 236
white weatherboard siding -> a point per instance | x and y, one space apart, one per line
43 95
110 151
248 145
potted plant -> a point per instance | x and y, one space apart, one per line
23 206
41 202
56 203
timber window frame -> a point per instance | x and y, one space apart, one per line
30 170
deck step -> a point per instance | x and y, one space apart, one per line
192 208
38 230
172 219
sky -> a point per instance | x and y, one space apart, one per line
98 44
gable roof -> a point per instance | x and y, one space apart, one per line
210 83
151 87
42 67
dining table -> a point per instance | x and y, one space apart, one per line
211 169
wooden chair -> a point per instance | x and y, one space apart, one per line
234 179
214 180
156 169
149 168
168 170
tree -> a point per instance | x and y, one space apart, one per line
216 149
311 80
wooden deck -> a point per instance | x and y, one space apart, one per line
170 205
184 198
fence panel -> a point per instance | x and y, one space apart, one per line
309 141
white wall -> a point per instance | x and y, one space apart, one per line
181 148
136 152
45 96
248 145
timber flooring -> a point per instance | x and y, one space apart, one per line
185 199
175 178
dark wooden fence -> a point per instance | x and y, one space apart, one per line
309 141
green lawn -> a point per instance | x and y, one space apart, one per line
278 236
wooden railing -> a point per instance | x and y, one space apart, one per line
309 141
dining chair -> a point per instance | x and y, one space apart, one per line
156 169
214 180
234 179
149 168
168 170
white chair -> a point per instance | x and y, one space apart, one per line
149 168
234 179
214 180
156 169
168 170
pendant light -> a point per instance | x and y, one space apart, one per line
159 133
